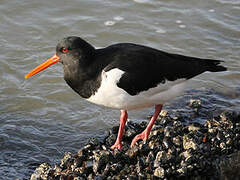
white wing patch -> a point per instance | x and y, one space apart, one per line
110 95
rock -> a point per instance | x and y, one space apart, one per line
189 143
132 129
67 160
132 153
100 159
159 172
140 164
110 140
162 158
195 103
93 141
167 142
212 130
191 127
174 150
229 167
177 141
186 154
168 131
150 158
222 145
77 178
181 171
42 172
163 113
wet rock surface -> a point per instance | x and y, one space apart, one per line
176 149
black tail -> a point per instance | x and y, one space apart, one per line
214 65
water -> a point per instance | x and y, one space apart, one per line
40 115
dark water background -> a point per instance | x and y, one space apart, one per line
40 115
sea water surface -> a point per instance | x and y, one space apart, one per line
41 117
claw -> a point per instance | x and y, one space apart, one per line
117 146
143 136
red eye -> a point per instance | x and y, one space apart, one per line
64 50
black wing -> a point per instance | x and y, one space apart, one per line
146 67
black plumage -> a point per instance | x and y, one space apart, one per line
144 67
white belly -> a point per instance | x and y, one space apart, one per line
110 95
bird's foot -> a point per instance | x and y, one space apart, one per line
117 145
143 136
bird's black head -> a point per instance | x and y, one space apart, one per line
73 52
74 48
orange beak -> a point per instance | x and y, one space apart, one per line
54 59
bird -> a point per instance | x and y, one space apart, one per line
126 76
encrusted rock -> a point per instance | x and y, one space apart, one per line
229 168
189 143
163 113
159 172
191 127
93 141
132 152
67 160
168 131
101 158
42 172
195 103
150 157
161 157
174 150
177 141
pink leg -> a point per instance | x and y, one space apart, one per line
123 119
144 135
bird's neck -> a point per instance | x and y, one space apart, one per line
82 81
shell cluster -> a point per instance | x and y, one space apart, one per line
176 149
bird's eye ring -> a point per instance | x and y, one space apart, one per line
64 50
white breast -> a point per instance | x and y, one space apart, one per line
110 95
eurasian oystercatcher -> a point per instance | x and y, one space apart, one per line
126 76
